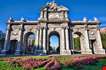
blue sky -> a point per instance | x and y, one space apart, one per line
30 9
54 41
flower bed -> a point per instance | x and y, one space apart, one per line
31 63
81 61
54 62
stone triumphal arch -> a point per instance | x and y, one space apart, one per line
53 20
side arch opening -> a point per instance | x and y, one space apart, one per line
13 46
29 43
76 43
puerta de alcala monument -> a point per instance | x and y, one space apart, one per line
53 20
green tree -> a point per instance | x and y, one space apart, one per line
103 37
77 43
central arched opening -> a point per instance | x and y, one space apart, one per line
54 43
29 41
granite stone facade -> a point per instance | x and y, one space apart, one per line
54 20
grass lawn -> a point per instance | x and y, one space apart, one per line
7 66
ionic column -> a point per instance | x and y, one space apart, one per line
40 39
41 14
36 41
62 48
72 49
99 49
86 43
67 41
66 16
19 45
37 38
44 40
45 15
82 44
7 39
63 39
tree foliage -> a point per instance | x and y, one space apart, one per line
77 43
103 37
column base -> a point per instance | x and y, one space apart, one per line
65 52
39 52
86 52
17 52
35 52
100 51
44 51
3 52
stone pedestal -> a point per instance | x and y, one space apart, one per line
17 52
44 51
100 51
65 52
18 49
3 52
86 52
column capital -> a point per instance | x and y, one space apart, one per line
41 28
67 27
8 27
21 29
37 27
45 27
63 27
98 29
85 27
